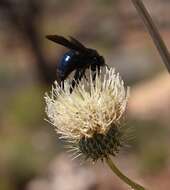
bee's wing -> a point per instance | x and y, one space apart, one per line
72 44
78 44
60 40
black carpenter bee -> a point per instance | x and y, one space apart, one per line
78 59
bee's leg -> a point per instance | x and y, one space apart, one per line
61 82
95 71
84 75
77 77
107 66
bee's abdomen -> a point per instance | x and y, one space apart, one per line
66 64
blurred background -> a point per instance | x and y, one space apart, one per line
31 157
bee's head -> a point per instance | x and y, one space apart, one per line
95 57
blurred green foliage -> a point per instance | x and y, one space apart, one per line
26 142
150 143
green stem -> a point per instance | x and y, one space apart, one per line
153 31
124 178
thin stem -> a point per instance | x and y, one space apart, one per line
153 31
124 178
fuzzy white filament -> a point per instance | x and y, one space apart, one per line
91 108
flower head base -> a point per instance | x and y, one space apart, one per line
90 116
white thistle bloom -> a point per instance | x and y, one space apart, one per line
91 114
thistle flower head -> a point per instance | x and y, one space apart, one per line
90 117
